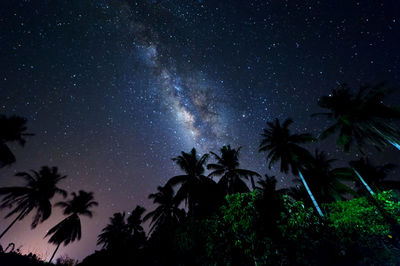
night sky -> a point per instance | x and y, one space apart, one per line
114 89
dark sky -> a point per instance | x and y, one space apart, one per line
114 89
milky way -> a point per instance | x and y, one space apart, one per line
188 97
113 90
189 100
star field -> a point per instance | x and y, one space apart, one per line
114 89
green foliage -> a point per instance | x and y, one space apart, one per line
190 243
301 234
363 228
296 219
239 213
361 216
354 231
233 234
389 203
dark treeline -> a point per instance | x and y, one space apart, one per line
217 213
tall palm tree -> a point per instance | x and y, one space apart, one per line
193 166
113 235
69 229
283 146
135 228
227 166
325 181
362 118
168 212
12 129
36 194
375 176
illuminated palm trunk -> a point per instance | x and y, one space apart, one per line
363 182
311 195
388 139
396 145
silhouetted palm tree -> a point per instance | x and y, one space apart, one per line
39 189
268 186
325 181
168 212
362 118
270 205
12 129
375 176
114 234
135 220
193 166
69 229
284 146
227 166
134 224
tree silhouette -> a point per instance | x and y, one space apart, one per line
324 180
168 212
69 229
270 205
39 189
227 166
124 237
268 186
284 146
362 118
375 176
12 129
134 224
190 182
113 236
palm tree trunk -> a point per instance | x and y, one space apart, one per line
191 207
396 145
363 182
54 253
13 222
311 195
253 186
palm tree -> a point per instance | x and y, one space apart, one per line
69 229
375 176
284 146
135 220
362 118
114 233
39 189
268 186
270 204
324 180
193 166
135 228
168 212
227 166
12 129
